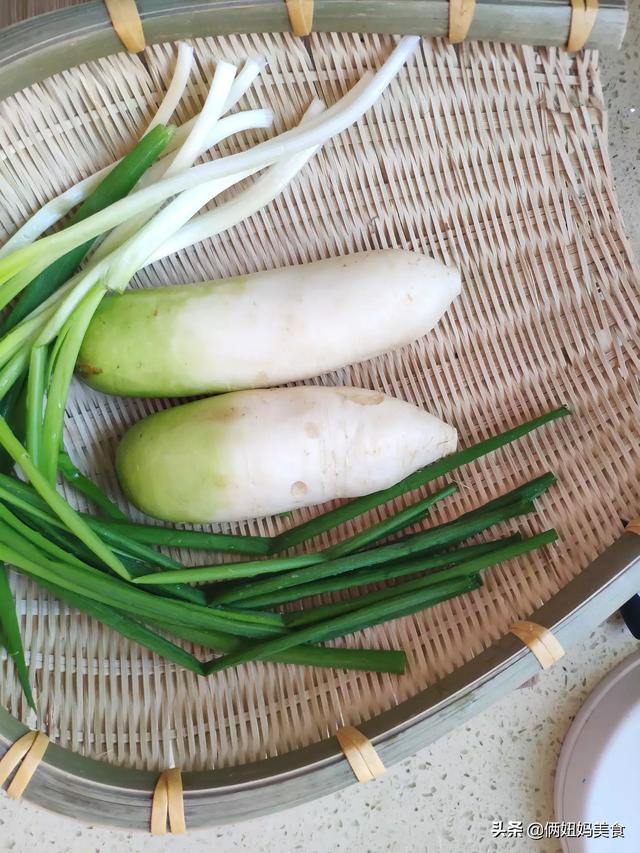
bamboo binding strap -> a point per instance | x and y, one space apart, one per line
168 802
300 16
29 749
583 17
127 24
540 641
461 14
359 752
633 526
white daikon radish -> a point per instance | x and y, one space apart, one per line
255 453
264 329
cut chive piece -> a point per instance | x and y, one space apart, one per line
397 607
12 531
87 488
366 617
137 563
528 491
412 514
461 570
378 574
30 509
367 660
436 537
56 543
151 534
332 518
41 543
133 549
20 495
11 639
116 593
23 490
232 571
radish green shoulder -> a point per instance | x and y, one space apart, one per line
253 453
264 329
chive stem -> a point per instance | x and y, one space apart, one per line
365 617
334 517
377 574
405 517
86 487
11 639
429 540
368 660
461 570
67 515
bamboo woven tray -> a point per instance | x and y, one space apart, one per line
488 156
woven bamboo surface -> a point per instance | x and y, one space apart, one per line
489 157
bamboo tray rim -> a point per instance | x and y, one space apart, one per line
39 47
87 789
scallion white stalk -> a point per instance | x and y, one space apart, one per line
252 68
135 253
116 270
54 210
206 119
179 80
242 83
286 144
261 192
225 216
227 126
185 156
58 207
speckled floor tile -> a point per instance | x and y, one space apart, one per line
621 83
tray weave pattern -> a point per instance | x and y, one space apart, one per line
486 156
